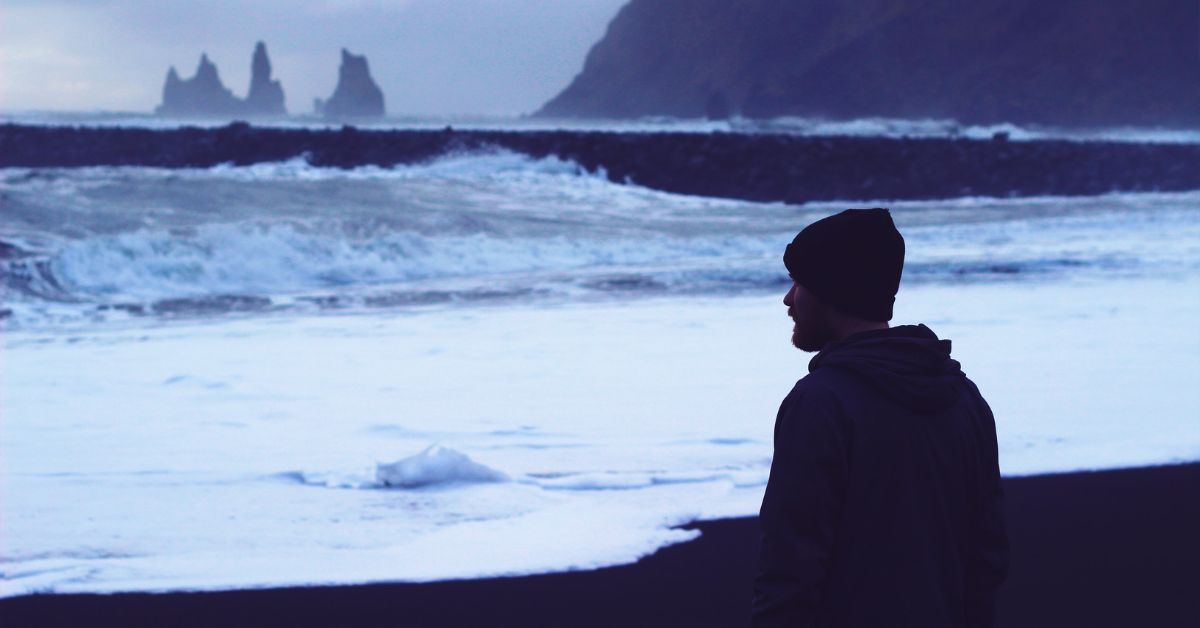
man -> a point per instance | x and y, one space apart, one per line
884 505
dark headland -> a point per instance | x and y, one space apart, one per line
791 169
1095 550
1061 62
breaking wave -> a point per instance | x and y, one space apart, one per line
96 243
453 166
271 258
873 127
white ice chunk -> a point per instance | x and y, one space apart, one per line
435 465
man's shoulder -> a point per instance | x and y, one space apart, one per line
811 413
823 383
815 390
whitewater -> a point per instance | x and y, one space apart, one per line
785 125
489 364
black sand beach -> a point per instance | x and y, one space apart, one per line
1110 548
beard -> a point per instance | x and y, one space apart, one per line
811 333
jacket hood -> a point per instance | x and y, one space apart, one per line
907 363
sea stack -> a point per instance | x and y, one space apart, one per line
1077 63
357 95
265 96
201 95
204 95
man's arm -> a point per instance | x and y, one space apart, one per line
800 510
987 562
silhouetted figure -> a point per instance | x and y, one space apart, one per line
884 505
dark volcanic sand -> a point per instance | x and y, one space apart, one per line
1111 548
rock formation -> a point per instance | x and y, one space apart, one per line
204 95
356 95
265 96
751 166
1067 62
201 95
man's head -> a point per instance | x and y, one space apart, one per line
845 271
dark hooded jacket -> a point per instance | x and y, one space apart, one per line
884 505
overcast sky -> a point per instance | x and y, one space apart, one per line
431 57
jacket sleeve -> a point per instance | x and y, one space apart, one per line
800 511
987 559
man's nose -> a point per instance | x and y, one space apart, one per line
787 298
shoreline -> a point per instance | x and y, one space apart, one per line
1089 548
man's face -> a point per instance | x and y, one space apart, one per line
813 327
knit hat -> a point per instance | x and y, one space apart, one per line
851 260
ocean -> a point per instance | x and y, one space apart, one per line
488 363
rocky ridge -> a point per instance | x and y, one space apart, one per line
790 169
204 95
356 95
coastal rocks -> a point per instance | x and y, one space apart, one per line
356 95
201 95
1079 63
204 95
771 168
265 96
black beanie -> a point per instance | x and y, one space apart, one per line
851 261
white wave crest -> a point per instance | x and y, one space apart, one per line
450 166
274 258
458 165
797 125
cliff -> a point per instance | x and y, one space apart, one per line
356 95
1067 62
204 95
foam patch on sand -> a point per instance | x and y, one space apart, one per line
177 432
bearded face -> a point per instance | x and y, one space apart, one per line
812 320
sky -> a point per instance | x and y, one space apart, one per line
430 57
